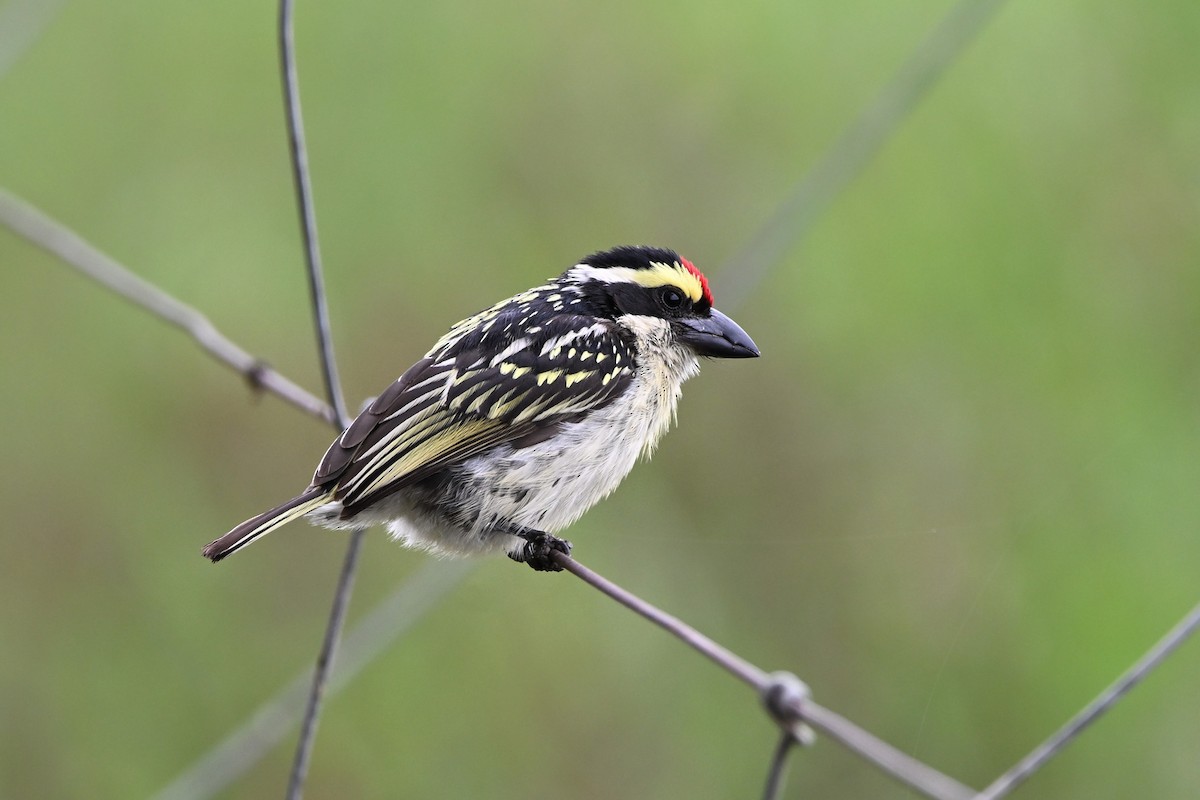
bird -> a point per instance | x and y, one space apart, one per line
521 417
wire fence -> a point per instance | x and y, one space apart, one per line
785 699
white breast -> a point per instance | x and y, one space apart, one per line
549 485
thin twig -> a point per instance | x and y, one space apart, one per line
778 769
215 771
308 226
59 240
1093 710
855 147
904 768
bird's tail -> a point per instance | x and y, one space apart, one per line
264 523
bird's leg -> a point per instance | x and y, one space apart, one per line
538 548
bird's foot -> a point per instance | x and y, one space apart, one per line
538 551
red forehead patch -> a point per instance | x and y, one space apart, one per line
690 267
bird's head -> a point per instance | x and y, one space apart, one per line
659 285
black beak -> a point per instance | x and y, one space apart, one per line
716 336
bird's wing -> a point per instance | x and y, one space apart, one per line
501 385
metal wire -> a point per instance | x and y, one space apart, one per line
1095 709
874 126
831 174
59 240
370 637
333 388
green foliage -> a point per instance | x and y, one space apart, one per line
957 495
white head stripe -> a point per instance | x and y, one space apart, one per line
658 274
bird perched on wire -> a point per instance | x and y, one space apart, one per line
523 416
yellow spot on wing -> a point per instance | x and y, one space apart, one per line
512 370
576 377
549 376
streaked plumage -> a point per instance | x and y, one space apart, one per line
522 416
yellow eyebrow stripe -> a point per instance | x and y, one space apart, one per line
660 274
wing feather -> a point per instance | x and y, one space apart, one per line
458 402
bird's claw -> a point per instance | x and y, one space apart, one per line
538 551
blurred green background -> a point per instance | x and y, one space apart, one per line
958 495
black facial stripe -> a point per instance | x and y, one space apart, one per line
648 301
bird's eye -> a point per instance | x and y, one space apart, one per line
671 298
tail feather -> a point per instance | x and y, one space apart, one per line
264 523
